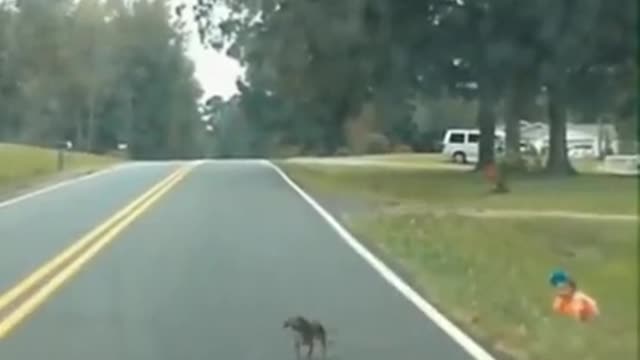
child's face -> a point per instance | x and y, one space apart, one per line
565 290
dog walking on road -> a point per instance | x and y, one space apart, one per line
306 332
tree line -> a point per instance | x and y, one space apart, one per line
314 68
98 74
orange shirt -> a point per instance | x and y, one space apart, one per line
579 306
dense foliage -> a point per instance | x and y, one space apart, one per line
99 74
313 67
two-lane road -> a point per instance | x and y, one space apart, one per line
210 271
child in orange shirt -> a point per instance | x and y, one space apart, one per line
569 301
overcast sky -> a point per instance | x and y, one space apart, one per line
216 72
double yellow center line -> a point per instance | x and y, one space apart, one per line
25 297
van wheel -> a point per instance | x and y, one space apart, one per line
460 158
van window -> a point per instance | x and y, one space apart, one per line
473 138
456 138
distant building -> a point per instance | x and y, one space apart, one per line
583 140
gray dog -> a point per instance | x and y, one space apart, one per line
306 332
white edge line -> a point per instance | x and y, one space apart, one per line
468 344
61 184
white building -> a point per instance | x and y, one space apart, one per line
583 140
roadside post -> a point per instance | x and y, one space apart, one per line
62 147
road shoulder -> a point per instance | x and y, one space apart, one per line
42 183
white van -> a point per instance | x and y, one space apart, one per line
461 145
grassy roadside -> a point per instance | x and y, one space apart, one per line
25 166
451 189
586 166
489 275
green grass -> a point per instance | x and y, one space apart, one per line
27 165
452 189
491 277
586 166
490 274
409 158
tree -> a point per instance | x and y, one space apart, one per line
571 50
93 74
343 55
329 68
8 81
157 91
98 73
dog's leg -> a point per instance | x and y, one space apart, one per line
323 343
310 351
296 346
321 334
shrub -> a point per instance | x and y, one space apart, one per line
377 143
402 148
343 151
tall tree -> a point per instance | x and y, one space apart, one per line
8 81
98 73
571 50
92 76
332 57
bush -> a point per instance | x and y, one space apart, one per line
286 151
377 143
402 148
343 151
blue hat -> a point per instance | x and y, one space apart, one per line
558 277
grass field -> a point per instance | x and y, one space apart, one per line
408 158
490 275
451 189
25 165
581 165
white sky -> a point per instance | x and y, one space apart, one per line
216 72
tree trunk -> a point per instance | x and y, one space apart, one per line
602 142
558 159
628 135
79 138
513 155
129 118
91 124
514 111
487 126
334 129
333 139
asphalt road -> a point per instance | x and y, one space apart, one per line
210 272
